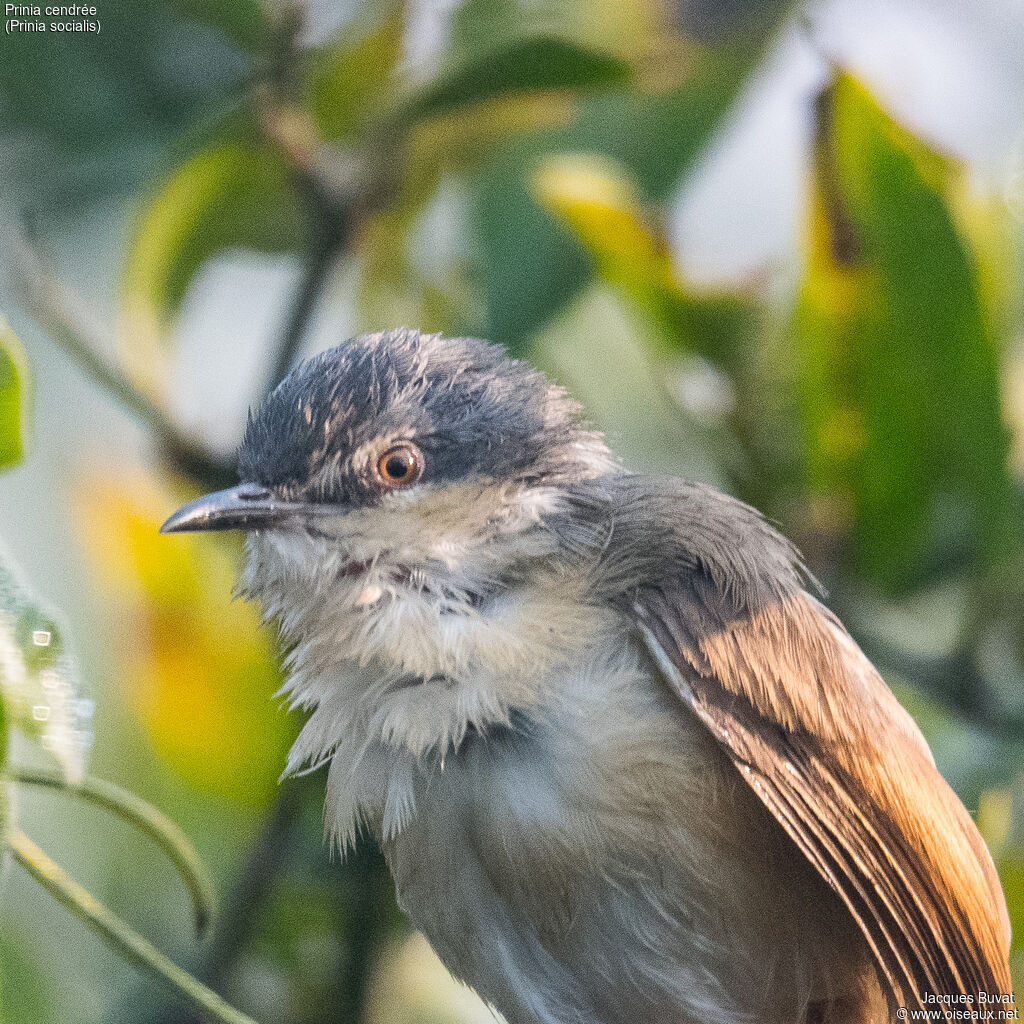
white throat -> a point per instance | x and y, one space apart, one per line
399 652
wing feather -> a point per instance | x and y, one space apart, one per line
827 748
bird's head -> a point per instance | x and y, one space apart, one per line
398 455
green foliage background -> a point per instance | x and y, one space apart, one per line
868 409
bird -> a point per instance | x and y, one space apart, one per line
624 765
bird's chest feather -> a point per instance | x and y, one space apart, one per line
614 869
570 865
569 838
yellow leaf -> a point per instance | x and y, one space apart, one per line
600 205
195 665
229 195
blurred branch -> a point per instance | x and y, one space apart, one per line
254 885
122 938
334 186
250 893
328 243
342 189
148 820
334 176
362 894
66 319
842 234
338 196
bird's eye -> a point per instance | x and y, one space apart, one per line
401 465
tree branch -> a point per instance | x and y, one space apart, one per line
65 318
254 885
125 940
331 235
362 893
148 820
334 185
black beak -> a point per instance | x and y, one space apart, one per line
245 507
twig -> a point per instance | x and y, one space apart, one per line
362 893
65 318
250 892
332 230
252 888
336 176
842 233
148 820
124 939
335 189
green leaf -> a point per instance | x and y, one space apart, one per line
659 137
39 683
242 21
532 264
25 991
97 118
13 397
601 204
1008 853
196 655
898 365
1011 874
516 66
348 83
233 195
622 27
148 820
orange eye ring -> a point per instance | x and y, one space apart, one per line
400 465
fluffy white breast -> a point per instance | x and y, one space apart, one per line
570 839
405 637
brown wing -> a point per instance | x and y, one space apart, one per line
818 735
